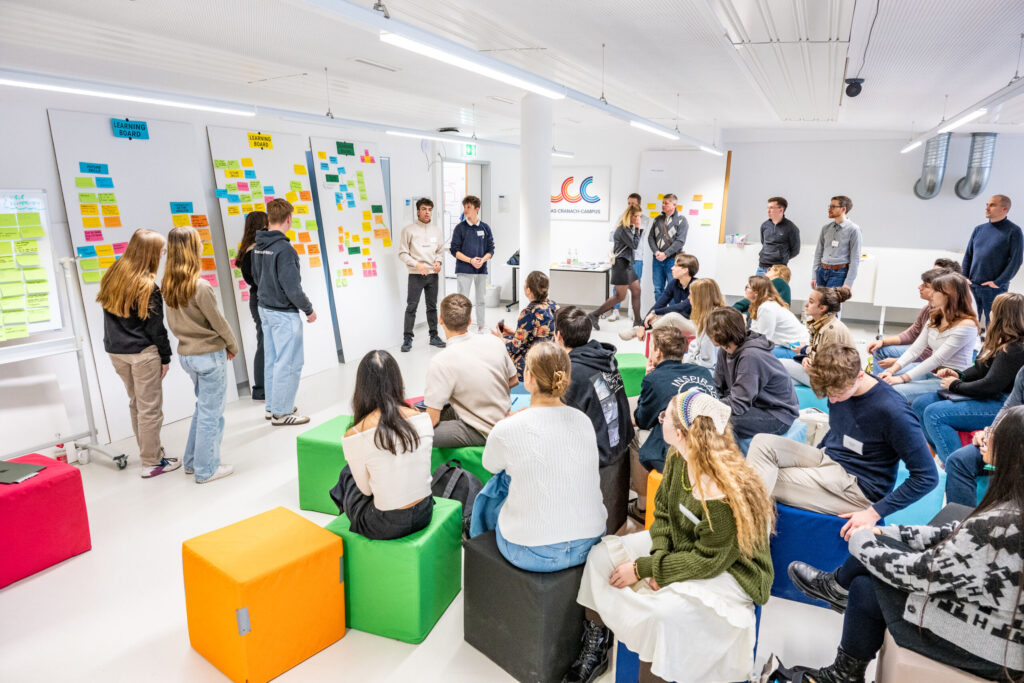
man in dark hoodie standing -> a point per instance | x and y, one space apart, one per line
275 266
751 380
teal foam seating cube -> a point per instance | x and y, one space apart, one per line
632 367
806 397
400 588
923 510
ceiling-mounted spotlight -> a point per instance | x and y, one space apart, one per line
853 86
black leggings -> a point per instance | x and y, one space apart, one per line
620 295
874 606
364 517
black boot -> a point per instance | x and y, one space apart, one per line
407 345
593 658
819 585
845 669
593 321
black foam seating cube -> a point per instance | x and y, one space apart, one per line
528 623
615 491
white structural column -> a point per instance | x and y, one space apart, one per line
534 187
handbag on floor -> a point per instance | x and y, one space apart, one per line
451 481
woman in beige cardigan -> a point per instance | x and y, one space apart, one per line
820 311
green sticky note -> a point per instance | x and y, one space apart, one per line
234 164
29 218
296 223
40 287
92 276
85 182
353 250
246 198
7 220
34 274
346 148
12 289
255 185
31 231
90 264
311 224
331 178
25 260
344 282
38 315
107 198
11 303
257 194
233 253
86 197
7 262
295 185
232 187
236 272
377 208
16 331
10 276
219 163
6 249
26 247
38 300
9 234
3 333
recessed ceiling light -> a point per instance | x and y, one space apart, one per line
378 65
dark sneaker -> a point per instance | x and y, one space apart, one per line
593 658
407 346
166 465
819 585
437 341
593 321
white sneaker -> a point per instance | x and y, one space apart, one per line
166 465
627 334
614 315
286 420
222 471
267 415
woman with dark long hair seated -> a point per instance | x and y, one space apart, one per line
385 487
950 593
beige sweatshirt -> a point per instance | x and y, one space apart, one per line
420 243
199 325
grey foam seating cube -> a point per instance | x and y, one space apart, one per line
528 623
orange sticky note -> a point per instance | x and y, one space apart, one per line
698 197
89 209
110 210
247 162
314 262
199 221
234 210
300 248
379 220
207 249
204 234
180 220
300 169
380 233
321 155
91 222
306 196
313 249
111 221
304 237
209 264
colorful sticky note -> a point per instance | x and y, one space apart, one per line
37 300
92 276
107 198
199 220
91 222
12 289
292 196
106 261
29 260
233 174
705 223
306 196
313 249
698 197
9 233
39 287
300 248
181 207
234 211
119 247
89 209
86 167
26 247
236 272
233 163
246 208
346 149
331 178
180 220
39 315
694 212
85 182
301 209
220 164
366 251
661 196
87 197
304 237
209 264
109 210
314 262
207 249
300 169
387 242
10 275
211 278
8 219
32 231
245 296
90 264
246 162
291 235
709 205
650 205
85 252
106 183
259 206
112 221
311 224
295 185
105 249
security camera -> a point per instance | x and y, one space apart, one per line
853 86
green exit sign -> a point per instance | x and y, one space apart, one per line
470 149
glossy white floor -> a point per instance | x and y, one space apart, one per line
117 612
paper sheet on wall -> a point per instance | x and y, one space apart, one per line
28 276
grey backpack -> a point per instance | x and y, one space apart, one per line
451 481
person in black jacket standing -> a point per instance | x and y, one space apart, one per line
623 276
472 246
780 238
255 221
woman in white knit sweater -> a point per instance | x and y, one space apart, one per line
771 317
544 500
951 334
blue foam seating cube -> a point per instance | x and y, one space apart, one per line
797 432
809 537
921 511
806 398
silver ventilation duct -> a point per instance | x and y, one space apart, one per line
934 167
979 165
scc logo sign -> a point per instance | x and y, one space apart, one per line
584 192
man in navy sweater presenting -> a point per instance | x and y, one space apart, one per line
993 255
852 474
472 247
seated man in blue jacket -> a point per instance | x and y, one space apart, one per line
853 472
675 298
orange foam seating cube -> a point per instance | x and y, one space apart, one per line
653 482
264 594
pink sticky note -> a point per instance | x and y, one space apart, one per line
242 186
242 285
245 296
211 278
232 261
341 248
93 235
119 247
694 212
267 198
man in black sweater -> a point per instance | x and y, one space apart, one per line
780 238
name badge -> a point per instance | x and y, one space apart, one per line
479 233
689 515
835 243
854 445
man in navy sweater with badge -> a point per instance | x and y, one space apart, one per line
993 255
473 246
853 471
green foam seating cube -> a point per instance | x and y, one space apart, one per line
400 588
632 367
321 460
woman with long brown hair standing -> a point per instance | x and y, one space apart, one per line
205 345
136 340
254 222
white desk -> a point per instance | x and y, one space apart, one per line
577 285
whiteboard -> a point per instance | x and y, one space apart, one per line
362 248
247 178
113 186
29 301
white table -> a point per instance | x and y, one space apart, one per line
580 285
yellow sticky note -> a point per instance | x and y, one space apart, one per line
261 207
247 163
104 250
341 207
106 261
366 240
180 220
92 276
366 225
366 251
110 210
709 205
367 215
246 208
650 205
291 235
387 242
314 262
698 197
301 209
321 155
300 169
91 222
661 196
654 214
233 211
292 196
207 248
89 209
229 173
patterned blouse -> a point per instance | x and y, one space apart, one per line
536 323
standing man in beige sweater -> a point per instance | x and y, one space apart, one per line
420 248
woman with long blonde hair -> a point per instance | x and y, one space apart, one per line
682 594
970 400
705 296
770 316
205 345
135 338
625 242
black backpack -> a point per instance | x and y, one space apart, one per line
451 481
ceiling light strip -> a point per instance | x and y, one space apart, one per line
971 113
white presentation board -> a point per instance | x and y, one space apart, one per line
362 247
29 301
118 175
251 168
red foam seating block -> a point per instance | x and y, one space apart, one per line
43 519
966 438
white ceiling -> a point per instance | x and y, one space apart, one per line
736 64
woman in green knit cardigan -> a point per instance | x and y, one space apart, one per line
682 595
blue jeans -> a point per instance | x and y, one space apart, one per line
638 268
783 352
928 384
983 297
209 373
963 467
283 359
761 270
941 420
894 351
831 278
661 272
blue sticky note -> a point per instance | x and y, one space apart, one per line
333 160
105 182
351 204
181 207
85 167
250 174
268 189
133 130
234 199
338 199
341 170
324 166
86 252
117 256
222 194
